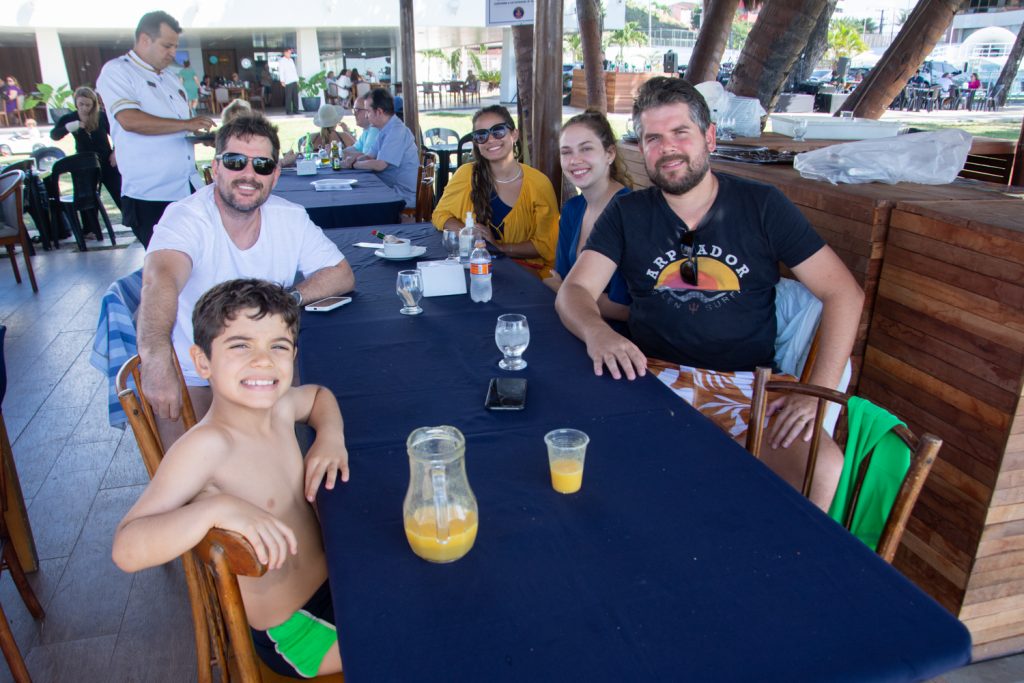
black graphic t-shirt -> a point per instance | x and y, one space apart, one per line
727 321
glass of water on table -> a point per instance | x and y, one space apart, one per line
512 335
409 288
450 240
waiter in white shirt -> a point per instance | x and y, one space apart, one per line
150 117
289 76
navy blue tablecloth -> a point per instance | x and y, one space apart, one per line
682 558
369 203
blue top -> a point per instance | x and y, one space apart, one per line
499 211
396 146
569 227
367 140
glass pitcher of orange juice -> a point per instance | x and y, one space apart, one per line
440 511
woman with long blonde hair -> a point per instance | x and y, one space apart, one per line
91 129
513 204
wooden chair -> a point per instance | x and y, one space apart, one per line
221 629
465 149
12 223
221 97
424 190
923 453
21 113
8 555
255 97
225 556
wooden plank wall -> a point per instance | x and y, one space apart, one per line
620 89
946 352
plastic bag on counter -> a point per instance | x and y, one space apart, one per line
746 114
932 158
714 94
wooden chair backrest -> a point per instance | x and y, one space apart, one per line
211 645
140 413
923 452
225 555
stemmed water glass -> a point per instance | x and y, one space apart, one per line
512 335
410 289
800 130
450 240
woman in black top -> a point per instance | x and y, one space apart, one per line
91 129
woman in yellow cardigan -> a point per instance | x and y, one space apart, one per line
514 205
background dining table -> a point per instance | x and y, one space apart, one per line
682 557
369 202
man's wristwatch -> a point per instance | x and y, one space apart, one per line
296 296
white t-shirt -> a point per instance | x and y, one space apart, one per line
288 242
286 70
153 167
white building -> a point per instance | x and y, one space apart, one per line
66 41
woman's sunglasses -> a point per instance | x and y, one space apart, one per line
688 268
497 131
235 161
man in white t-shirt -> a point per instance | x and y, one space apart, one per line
149 117
230 229
289 76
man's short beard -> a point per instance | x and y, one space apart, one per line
228 200
692 178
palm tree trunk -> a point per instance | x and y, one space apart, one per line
408 29
779 35
588 13
916 39
547 90
815 49
1009 71
711 41
522 42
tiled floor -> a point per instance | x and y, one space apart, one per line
80 476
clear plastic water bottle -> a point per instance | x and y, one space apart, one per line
480 273
467 236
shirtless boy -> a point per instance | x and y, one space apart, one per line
240 469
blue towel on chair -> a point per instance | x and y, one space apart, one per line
115 340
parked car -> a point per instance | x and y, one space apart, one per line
23 141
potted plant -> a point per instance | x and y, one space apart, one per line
310 88
56 98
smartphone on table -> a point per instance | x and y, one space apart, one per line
328 303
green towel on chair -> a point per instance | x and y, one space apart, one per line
870 428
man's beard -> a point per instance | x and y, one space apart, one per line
696 169
255 203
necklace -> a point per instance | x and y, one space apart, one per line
514 178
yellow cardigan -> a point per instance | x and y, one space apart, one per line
533 218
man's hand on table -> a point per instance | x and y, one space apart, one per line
608 348
794 418
327 458
160 385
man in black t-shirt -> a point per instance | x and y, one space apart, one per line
700 253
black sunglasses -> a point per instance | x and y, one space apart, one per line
688 268
235 161
498 130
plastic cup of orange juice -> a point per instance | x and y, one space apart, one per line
566 450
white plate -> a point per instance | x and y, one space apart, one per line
328 184
415 253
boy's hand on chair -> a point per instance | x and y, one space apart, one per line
327 458
272 539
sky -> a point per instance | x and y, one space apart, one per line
872 8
